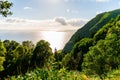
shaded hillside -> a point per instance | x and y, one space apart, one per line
99 54
91 28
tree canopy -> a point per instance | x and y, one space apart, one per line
5 7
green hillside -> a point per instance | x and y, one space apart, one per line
97 55
91 28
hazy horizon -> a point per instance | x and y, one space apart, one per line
54 15
57 39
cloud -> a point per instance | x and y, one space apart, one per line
71 22
102 0
15 20
61 20
77 22
27 8
56 24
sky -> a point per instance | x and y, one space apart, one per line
58 15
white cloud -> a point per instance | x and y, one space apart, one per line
61 20
15 20
102 0
71 22
57 24
77 22
27 8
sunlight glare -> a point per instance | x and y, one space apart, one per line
54 38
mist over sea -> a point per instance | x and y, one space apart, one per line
57 39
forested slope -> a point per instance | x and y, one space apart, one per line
89 29
99 54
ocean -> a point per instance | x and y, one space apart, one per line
57 39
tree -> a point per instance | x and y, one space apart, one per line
5 6
41 54
58 55
4 11
2 59
21 59
29 45
69 62
74 59
10 57
57 60
12 46
104 56
7 44
2 55
2 49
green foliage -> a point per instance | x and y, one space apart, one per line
104 56
103 20
2 49
2 59
5 6
17 57
10 56
63 74
68 62
91 28
82 46
74 59
57 64
28 44
58 55
113 75
41 54
101 34
7 44
10 45
42 74
2 55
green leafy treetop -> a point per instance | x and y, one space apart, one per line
2 55
41 54
104 55
5 6
4 11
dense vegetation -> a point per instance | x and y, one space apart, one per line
89 29
99 54
19 58
96 57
